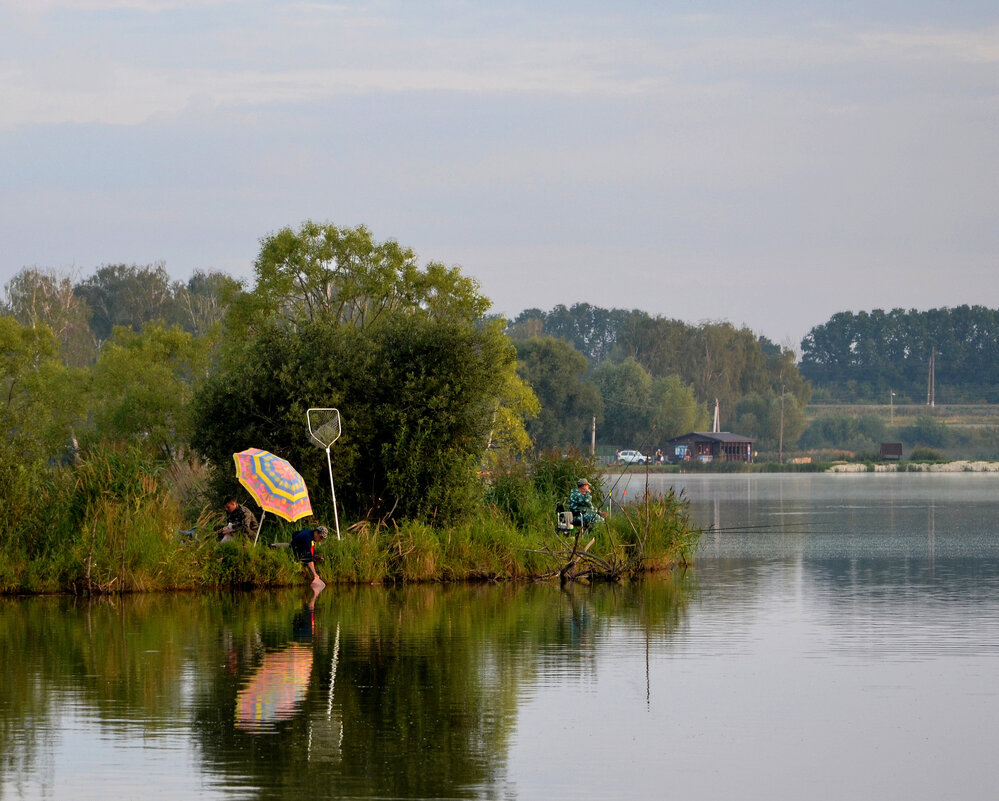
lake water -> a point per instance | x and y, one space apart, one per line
838 638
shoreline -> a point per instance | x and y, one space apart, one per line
956 466
960 466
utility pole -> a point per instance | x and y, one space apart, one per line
931 381
891 407
780 446
780 437
593 439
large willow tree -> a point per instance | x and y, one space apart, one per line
421 380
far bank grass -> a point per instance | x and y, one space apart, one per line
115 523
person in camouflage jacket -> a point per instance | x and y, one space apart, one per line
239 520
581 505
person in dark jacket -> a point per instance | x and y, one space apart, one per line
303 545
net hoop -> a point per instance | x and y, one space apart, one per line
324 426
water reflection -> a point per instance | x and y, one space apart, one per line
840 639
276 690
364 692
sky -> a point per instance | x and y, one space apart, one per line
763 163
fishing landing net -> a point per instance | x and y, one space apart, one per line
324 428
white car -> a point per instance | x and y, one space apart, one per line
632 457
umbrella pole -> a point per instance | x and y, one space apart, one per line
263 512
336 518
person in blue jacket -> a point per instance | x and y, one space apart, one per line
303 545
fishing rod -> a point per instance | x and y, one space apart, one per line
760 530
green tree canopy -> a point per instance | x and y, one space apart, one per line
626 391
44 297
40 398
343 275
126 295
589 329
421 379
865 355
761 416
555 371
201 304
715 360
417 399
141 386
676 410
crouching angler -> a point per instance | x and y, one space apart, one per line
303 546
240 521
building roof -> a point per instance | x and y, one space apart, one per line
717 436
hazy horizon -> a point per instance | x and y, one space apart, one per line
763 165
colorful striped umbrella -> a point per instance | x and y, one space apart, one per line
273 483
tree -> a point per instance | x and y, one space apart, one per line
417 399
555 371
343 275
676 410
37 297
420 377
590 329
516 404
40 398
201 304
718 360
662 346
142 384
865 355
761 416
127 295
844 432
626 391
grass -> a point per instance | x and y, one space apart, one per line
114 522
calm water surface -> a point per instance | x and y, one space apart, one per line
838 638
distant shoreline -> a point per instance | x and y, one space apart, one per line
957 466
961 466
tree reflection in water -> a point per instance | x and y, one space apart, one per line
367 691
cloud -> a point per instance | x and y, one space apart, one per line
41 7
776 167
200 55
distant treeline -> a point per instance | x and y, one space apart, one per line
84 313
864 357
648 378
124 395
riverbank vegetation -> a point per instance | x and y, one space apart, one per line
116 521
124 406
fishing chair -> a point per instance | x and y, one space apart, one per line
564 521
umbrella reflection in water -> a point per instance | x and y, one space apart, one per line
276 690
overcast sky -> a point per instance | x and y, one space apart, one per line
765 163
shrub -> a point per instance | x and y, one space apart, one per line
923 454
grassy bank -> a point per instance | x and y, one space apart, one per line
115 522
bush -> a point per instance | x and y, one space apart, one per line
924 454
526 494
422 395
